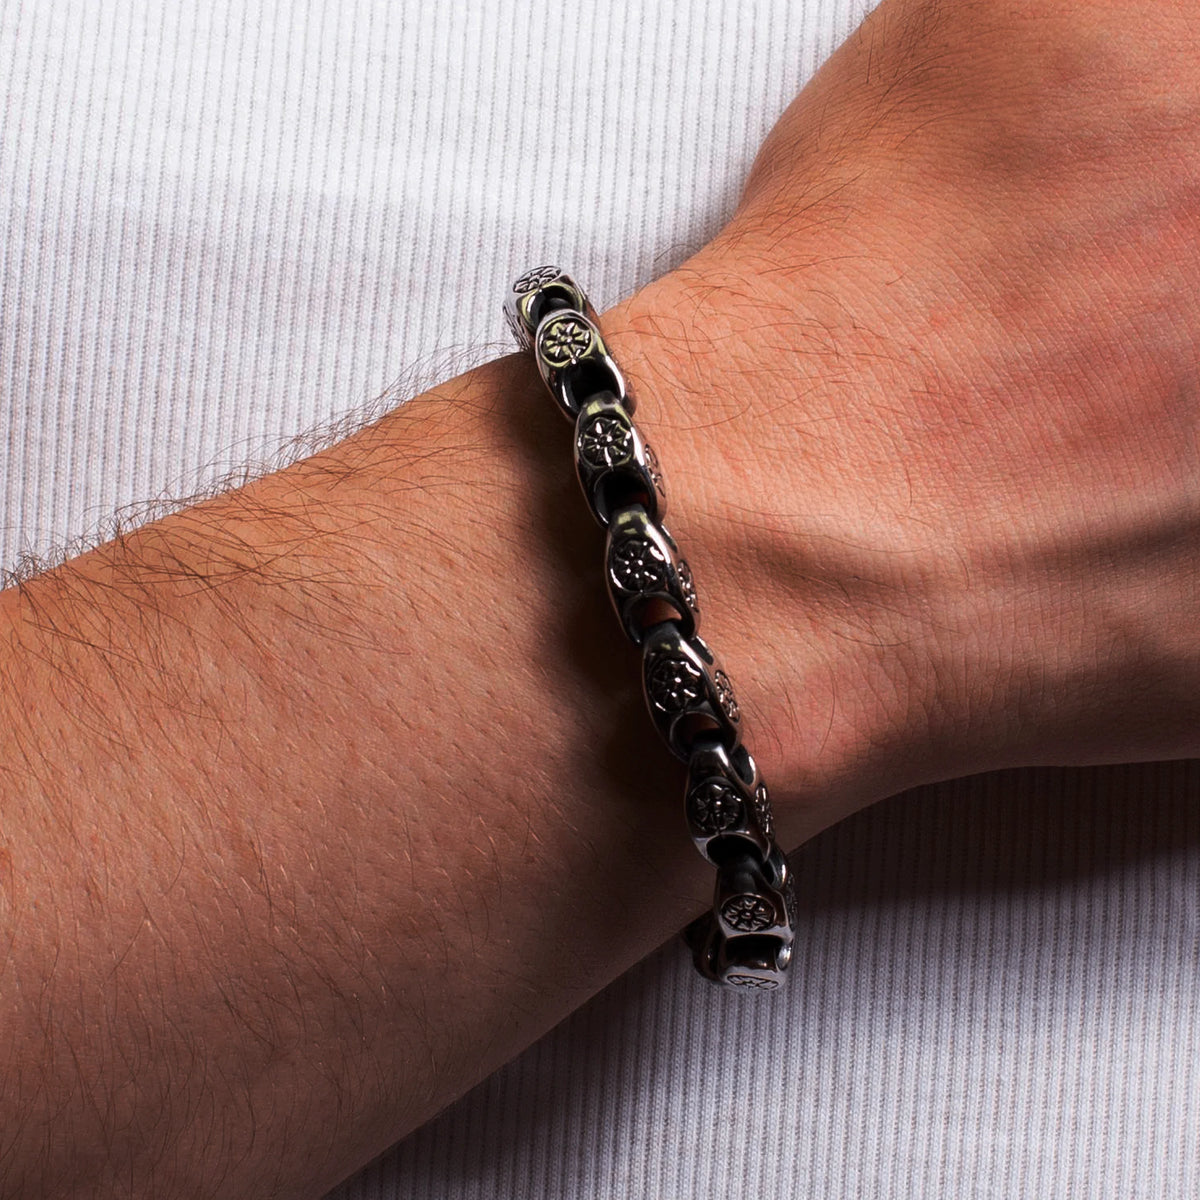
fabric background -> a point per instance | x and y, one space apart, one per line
226 225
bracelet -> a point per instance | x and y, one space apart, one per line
746 940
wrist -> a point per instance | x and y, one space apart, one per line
755 434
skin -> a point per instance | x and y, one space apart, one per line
325 797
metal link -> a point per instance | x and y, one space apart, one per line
615 465
728 810
574 361
644 565
747 894
537 293
746 941
752 962
686 690
573 364
747 901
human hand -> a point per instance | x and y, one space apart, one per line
930 398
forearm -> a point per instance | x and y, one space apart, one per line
322 800
326 796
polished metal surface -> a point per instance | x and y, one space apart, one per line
728 812
687 692
575 362
536 294
644 567
615 465
570 351
746 940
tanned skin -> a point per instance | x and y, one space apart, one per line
324 797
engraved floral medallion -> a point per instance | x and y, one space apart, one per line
748 913
752 981
656 475
674 684
725 696
714 806
687 585
790 903
605 441
537 278
638 565
564 340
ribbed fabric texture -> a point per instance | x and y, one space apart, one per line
996 995
225 224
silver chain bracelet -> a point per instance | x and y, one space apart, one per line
746 940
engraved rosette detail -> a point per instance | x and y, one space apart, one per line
654 470
564 340
539 277
606 441
763 812
679 677
748 913
535 295
790 903
611 462
643 565
751 982
714 806
674 684
725 696
687 585
639 565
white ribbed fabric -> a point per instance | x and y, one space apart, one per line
996 995
227 223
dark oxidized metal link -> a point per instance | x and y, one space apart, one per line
615 465
644 567
752 961
574 361
728 809
538 293
570 353
687 692
746 941
751 898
